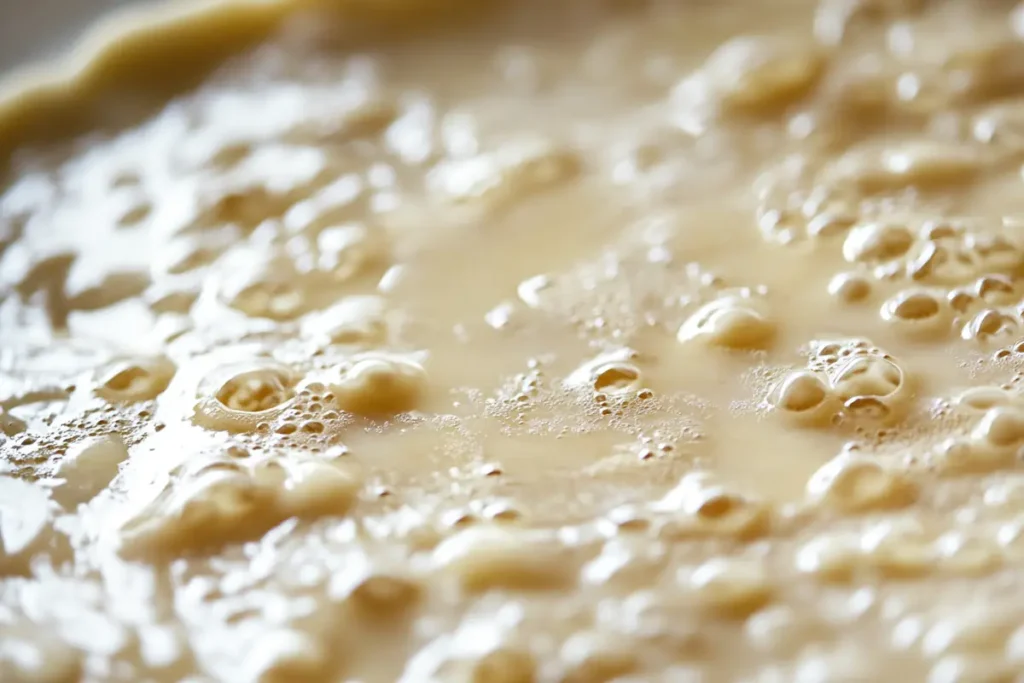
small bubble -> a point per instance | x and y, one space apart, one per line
491 470
506 514
849 287
286 428
867 407
615 377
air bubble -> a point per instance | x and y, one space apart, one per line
730 322
849 287
805 397
312 427
246 395
990 323
917 313
867 408
615 377
874 243
959 300
137 380
868 376
286 428
378 384
995 289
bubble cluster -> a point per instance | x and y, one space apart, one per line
845 380
239 397
994 439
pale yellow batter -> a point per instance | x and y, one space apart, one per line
536 341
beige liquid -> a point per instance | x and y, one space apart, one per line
561 340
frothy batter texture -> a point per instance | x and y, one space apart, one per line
549 341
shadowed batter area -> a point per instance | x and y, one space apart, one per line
548 341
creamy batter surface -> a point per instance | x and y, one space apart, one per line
566 341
